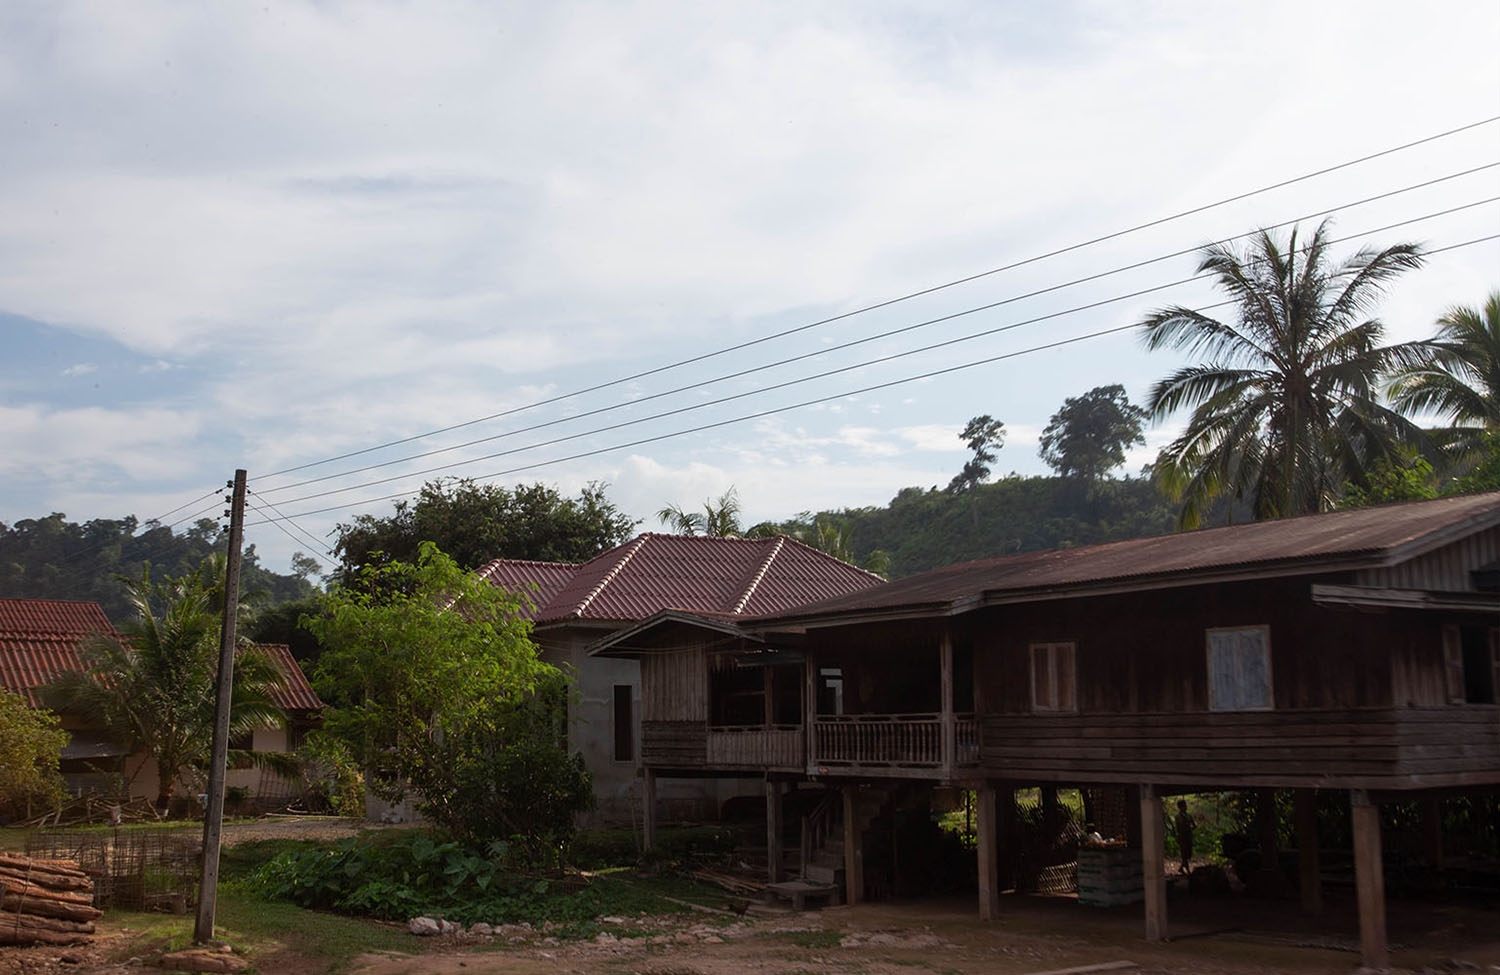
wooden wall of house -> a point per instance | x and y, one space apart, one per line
674 685
889 668
1146 652
1448 568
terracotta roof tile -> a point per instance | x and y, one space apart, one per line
1269 546
538 581
294 692
39 640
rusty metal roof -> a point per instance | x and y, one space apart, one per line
39 640
704 574
1357 538
293 693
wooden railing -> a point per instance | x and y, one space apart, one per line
777 746
899 740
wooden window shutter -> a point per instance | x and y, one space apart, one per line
1453 662
1067 691
1041 677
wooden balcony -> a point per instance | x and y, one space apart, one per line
892 744
756 746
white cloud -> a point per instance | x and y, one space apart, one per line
81 369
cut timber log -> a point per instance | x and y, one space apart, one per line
62 881
24 889
16 903
20 929
22 862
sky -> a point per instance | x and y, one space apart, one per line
269 235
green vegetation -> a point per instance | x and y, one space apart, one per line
435 686
31 743
53 558
153 689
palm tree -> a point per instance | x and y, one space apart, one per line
154 690
1285 412
721 518
1460 381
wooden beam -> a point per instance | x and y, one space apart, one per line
986 829
1369 881
945 668
648 808
854 848
768 711
773 831
1153 864
1309 868
810 712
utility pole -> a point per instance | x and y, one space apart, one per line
213 821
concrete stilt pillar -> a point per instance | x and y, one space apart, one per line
986 829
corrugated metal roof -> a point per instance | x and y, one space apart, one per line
730 576
294 693
1364 536
39 640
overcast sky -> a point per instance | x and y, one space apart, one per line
262 235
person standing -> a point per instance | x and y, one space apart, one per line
1182 826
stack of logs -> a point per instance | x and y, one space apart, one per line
44 901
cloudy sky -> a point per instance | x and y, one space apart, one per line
265 235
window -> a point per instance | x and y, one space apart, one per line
1239 669
1472 656
624 724
1052 685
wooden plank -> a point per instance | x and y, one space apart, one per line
1153 864
648 808
773 830
1369 882
854 851
945 663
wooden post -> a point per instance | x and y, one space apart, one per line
854 848
1265 819
768 686
1432 831
773 829
1369 881
945 666
1050 812
1153 864
648 808
1133 816
986 828
806 847
1308 867
810 713
213 818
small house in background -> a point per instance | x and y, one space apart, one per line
575 605
1355 653
39 640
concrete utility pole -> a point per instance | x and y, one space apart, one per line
213 821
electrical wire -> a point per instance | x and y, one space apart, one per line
822 399
880 335
880 360
691 360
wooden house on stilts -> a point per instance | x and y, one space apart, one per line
1356 651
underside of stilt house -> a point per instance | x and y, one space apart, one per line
1355 651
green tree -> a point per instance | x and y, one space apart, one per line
1284 413
154 690
477 523
31 744
1460 377
435 685
983 435
1088 436
720 518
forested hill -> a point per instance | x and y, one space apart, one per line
53 558
925 529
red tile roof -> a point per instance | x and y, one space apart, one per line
702 574
39 640
1338 540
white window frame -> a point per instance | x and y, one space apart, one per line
1054 650
1208 667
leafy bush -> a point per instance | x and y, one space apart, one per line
331 778
31 743
399 875
601 848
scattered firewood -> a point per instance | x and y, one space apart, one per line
44 901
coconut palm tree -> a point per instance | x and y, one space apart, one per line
1460 381
721 518
154 689
1285 411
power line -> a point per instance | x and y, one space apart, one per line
822 399
896 300
876 337
279 517
879 360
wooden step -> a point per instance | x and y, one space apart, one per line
824 874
